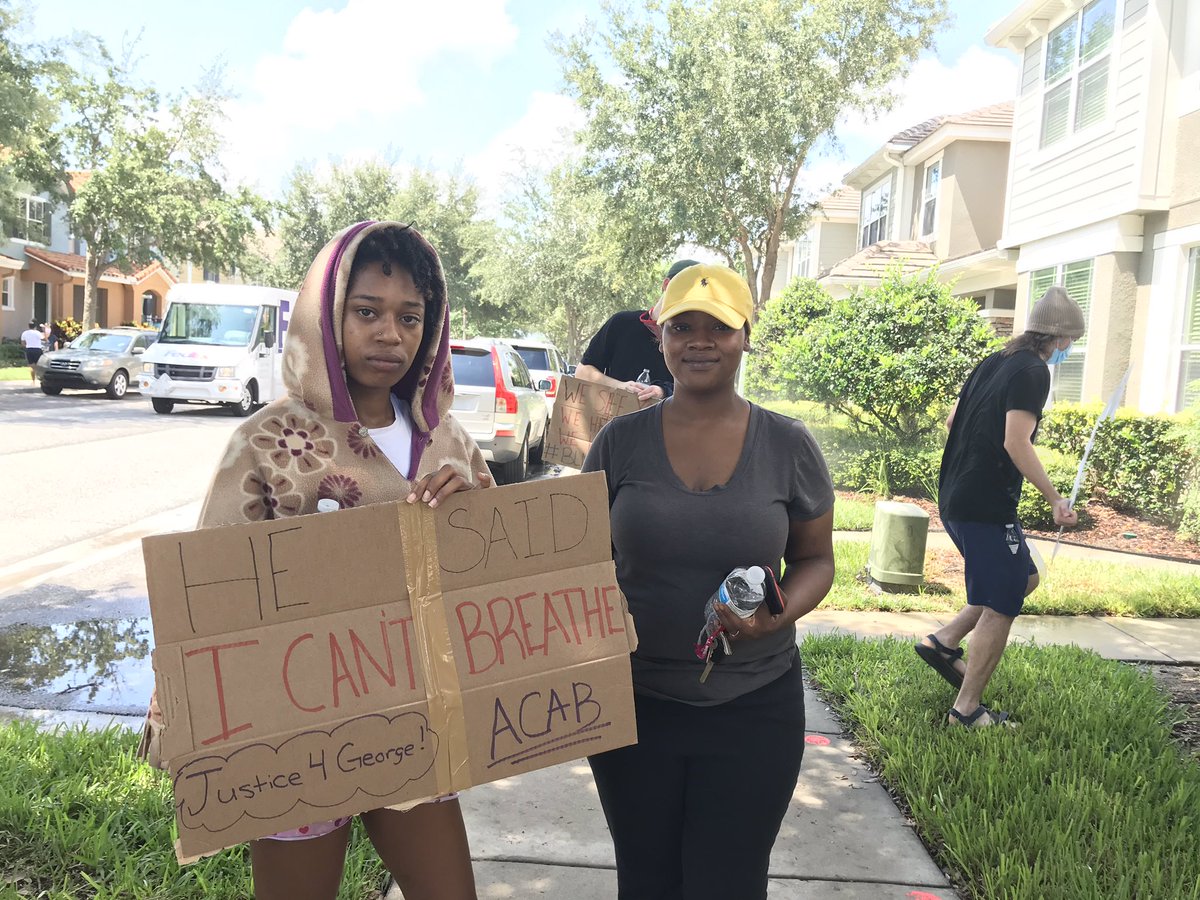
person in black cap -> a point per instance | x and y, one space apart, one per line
626 346
988 454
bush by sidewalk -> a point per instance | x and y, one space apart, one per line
81 817
1088 798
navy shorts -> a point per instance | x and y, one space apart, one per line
997 562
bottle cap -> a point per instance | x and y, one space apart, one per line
328 504
755 575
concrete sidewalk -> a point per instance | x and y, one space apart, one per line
543 835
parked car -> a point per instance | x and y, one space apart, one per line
545 363
101 358
498 402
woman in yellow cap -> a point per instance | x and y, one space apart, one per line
701 484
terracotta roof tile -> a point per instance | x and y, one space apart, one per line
74 264
872 261
997 114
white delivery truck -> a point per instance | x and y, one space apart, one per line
219 343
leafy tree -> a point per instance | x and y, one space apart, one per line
24 111
558 266
702 113
769 373
153 187
892 357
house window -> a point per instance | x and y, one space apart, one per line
1076 71
873 214
1067 382
803 254
933 180
1189 360
213 275
7 297
31 221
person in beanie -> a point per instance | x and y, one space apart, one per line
627 345
988 454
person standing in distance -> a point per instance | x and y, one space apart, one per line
627 345
988 454
31 340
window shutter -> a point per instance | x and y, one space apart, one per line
1056 112
1092 102
1077 279
1039 282
1031 67
1068 378
1191 325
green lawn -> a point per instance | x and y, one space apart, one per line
14 373
1089 798
856 513
81 817
1071 588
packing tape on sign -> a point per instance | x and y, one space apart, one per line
423 573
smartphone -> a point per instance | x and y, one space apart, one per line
773 598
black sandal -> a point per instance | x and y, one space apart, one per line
941 658
972 721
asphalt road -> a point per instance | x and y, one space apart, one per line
84 479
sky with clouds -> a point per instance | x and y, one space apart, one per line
468 85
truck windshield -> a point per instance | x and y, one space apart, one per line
209 323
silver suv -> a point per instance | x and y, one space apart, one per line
100 358
497 401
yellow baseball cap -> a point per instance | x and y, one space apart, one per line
716 290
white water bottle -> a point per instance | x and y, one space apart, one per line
742 591
644 378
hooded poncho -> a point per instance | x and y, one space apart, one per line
309 444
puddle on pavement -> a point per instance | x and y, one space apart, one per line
100 664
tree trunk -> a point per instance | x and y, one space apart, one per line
91 288
751 271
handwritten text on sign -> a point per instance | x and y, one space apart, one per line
580 411
301 680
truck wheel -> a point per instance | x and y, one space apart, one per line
245 404
118 386
514 471
162 405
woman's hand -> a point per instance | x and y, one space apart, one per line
759 625
437 486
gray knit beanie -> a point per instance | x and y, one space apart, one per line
1056 314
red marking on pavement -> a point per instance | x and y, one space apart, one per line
819 739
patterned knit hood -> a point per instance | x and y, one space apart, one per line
309 445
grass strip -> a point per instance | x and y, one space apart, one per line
853 514
81 817
1088 798
1073 587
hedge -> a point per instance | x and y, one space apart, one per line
1139 463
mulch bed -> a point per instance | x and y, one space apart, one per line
1182 684
1103 527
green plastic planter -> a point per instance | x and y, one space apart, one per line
898 536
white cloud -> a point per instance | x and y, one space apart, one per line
363 62
540 139
980 77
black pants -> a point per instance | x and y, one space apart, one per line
694 807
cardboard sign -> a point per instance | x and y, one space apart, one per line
325 665
580 411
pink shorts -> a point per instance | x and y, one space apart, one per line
320 829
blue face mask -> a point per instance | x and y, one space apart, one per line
1059 356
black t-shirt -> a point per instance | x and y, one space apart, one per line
978 481
624 347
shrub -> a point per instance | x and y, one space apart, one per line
891 357
1033 511
1188 430
11 354
1138 464
768 374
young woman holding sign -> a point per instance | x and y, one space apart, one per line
700 484
367 368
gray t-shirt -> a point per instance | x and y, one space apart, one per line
673 546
